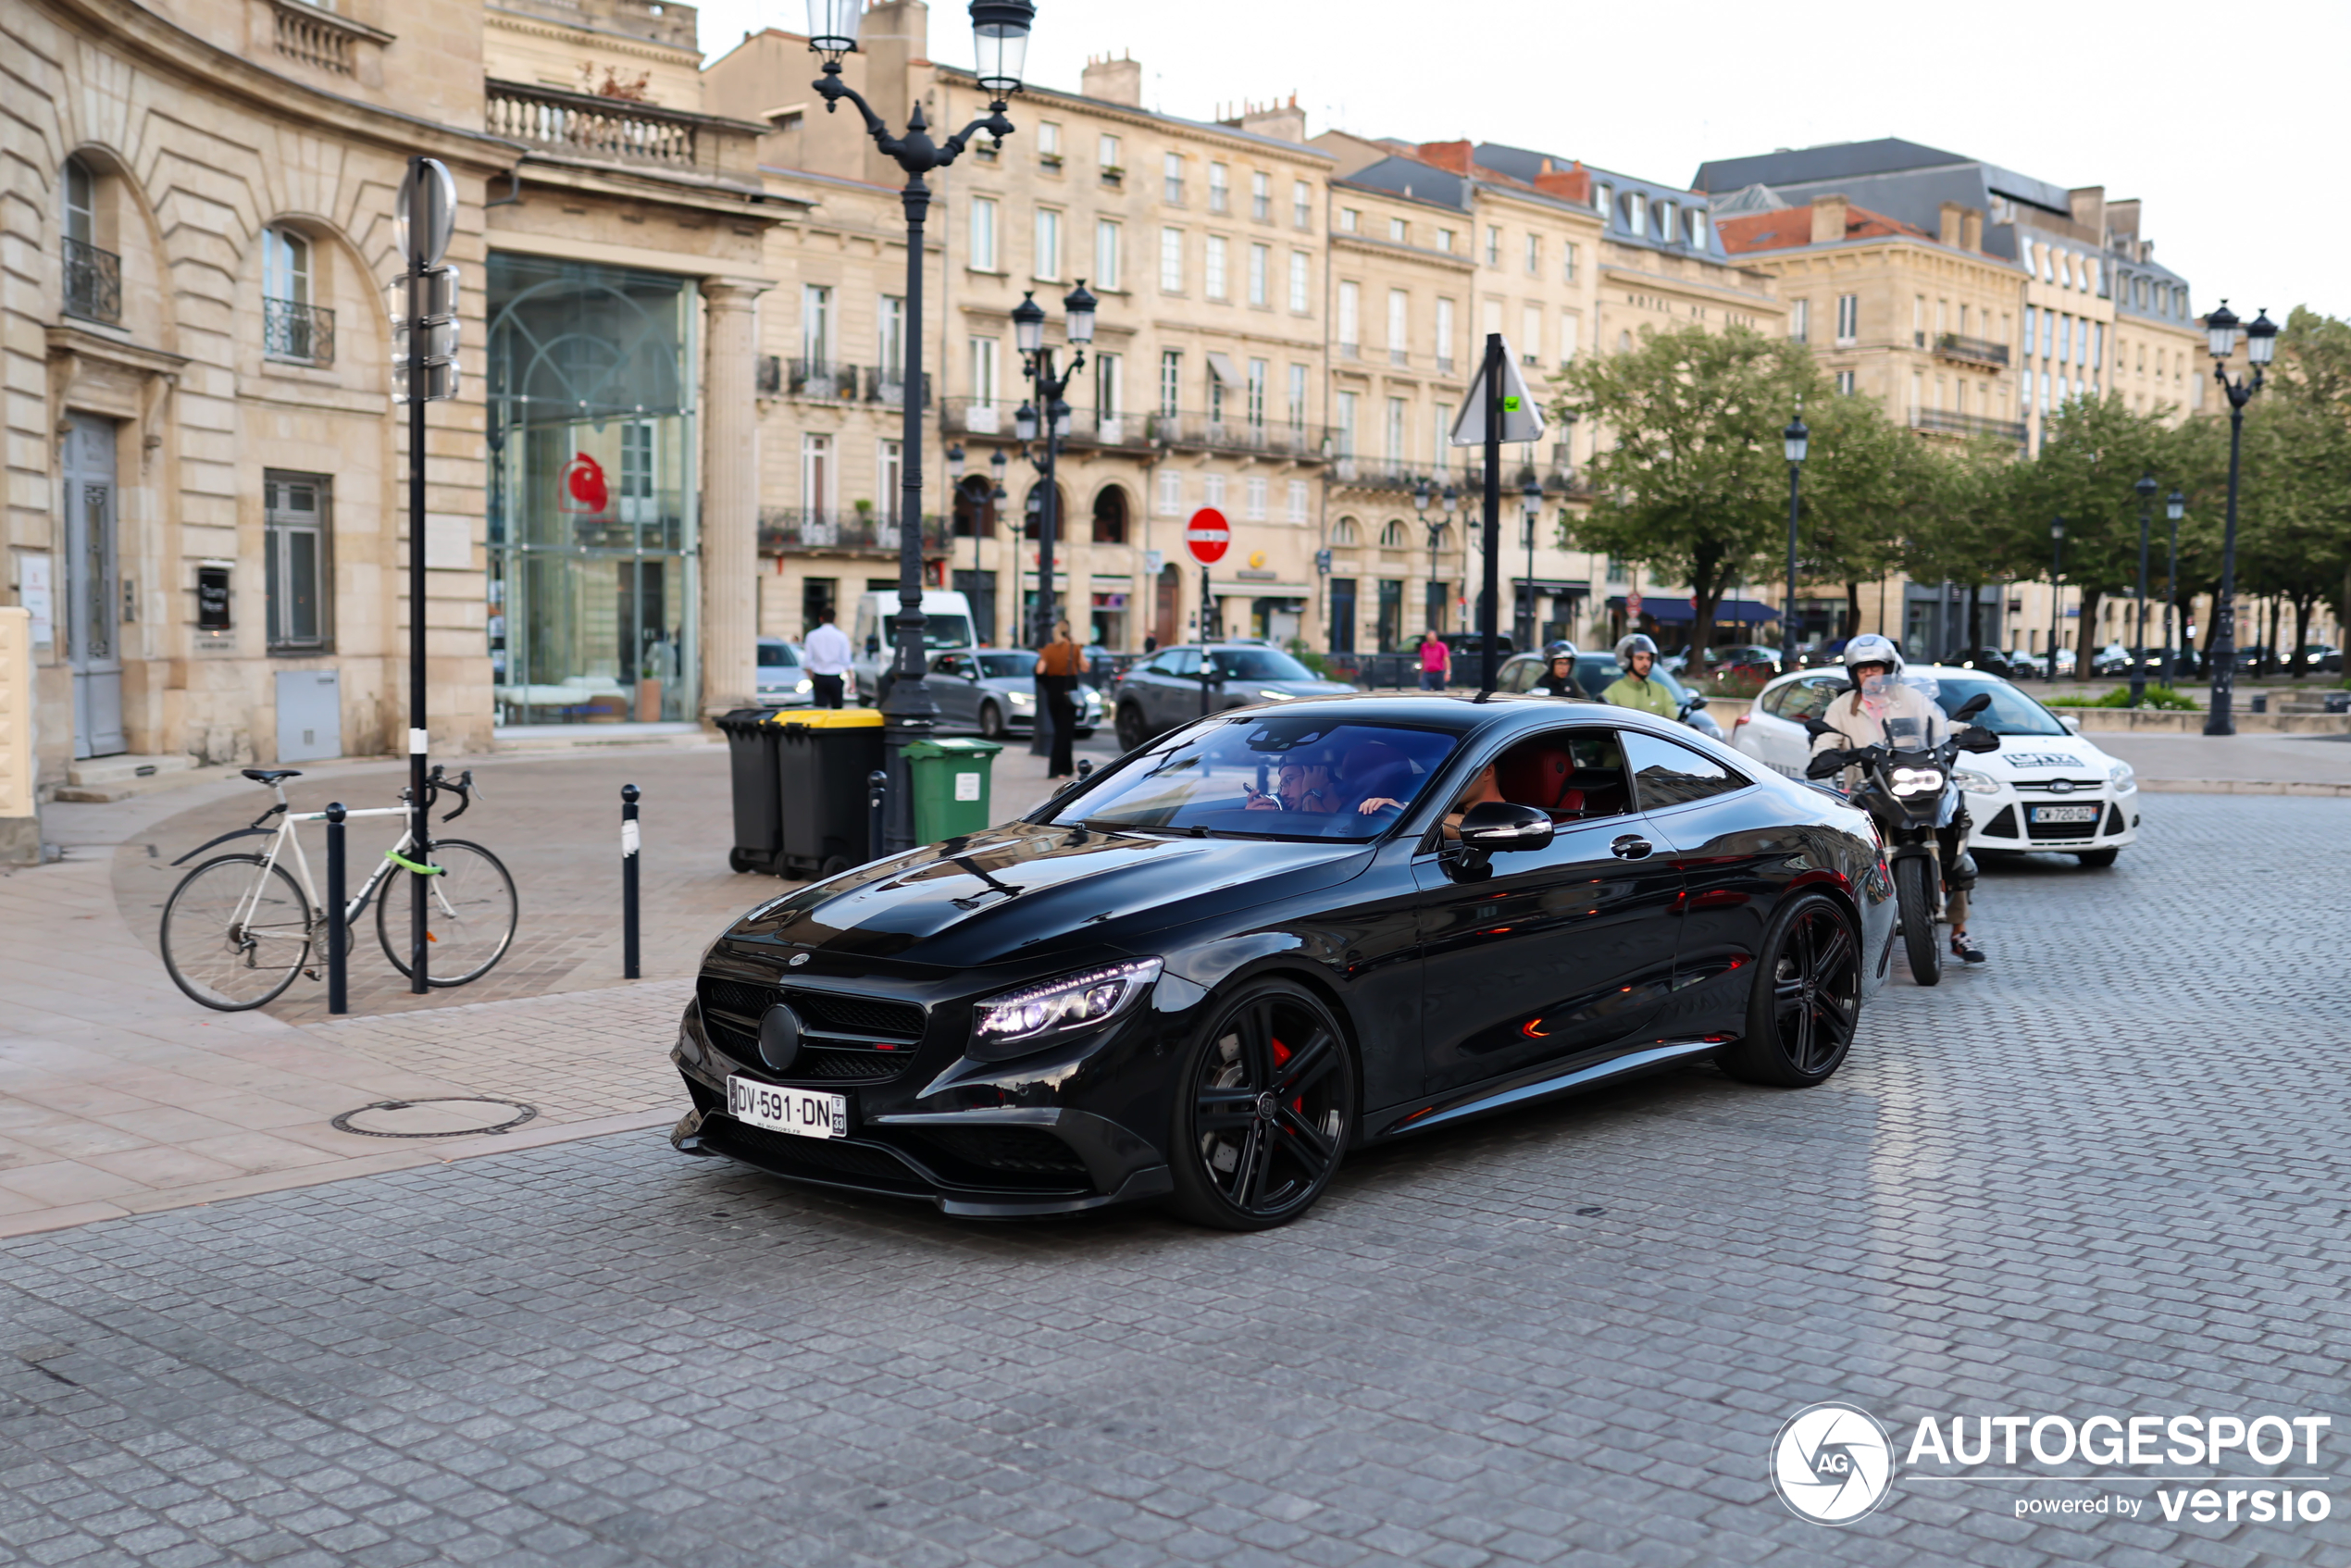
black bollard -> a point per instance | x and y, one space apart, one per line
338 925
629 881
877 790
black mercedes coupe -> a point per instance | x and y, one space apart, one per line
1204 974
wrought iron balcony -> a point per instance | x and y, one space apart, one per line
770 376
302 332
887 383
1236 432
794 530
1942 422
1974 351
821 379
93 282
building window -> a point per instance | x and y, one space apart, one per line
1392 535
293 327
1261 197
1845 382
294 562
1172 168
1253 491
1298 500
1440 431
1535 256
2032 331
1260 261
816 327
1298 376
1399 230
1344 535
1350 333
1048 141
1799 320
1619 571
1848 318
1570 325
1301 203
890 338
1696 229
1604 202
1301 297
1493 245
1108 150
1049 243
1170 383
816 476
1171 261
1343 427
1171 493
1399 337
1632 212
1213 490
983 234
983 353
1349 220
1212 269
1107 258
1444 337
1219 187
1530 326
1399 411
1110 386
1567 264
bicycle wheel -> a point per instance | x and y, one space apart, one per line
471 922
229 944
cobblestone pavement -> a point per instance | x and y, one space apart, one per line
2102 1174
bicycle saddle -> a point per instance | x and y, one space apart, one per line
270 774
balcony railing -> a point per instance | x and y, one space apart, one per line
994 416
304 332
790 530
887 385
1975 351
1227 434
770 376
589 126
821 379
1942 422
93 282
315 36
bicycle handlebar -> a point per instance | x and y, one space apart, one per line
462 786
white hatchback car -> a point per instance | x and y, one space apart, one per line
2046 788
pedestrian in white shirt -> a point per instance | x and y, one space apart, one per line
827 652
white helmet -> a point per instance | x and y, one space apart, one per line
1636 643
1870 649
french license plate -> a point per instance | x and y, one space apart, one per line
2065 814
802 1112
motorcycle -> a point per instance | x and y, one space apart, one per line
1906 787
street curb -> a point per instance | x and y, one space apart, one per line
2244 787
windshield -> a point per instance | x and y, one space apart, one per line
1258 664
2011 713
1269 778
1020 664
773 653
939 630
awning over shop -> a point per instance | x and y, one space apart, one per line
1681 612
1575 587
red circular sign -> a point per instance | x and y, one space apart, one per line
1208 536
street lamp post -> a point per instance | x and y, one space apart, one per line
1036 364
2057 592
2260 342
2146 488
1000 34
2175 506
1531 493
1796 440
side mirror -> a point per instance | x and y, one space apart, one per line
2072 725
1694 703
1972 706
1500 826
1817 727
1975 737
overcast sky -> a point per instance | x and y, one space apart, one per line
2239 163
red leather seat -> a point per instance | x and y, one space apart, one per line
1539 776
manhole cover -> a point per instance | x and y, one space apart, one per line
453 1117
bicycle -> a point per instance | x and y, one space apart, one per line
239 928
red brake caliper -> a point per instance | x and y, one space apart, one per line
1282 1053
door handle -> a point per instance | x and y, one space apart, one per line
1631 846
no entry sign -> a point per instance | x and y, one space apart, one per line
1208 536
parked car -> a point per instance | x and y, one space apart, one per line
783 680
1594 674
1465 648
2046 788
1991 660
1752 657
2314 658
1177 981
1164 690
994 692
2024 663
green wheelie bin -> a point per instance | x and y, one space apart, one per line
951 781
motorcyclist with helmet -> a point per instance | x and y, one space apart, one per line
1636 656
1860 715
1557 678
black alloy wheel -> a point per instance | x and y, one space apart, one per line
1807 1000
1132 729
1265 1103
1914 900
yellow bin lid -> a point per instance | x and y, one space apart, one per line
829 718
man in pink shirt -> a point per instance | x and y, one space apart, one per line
1437 661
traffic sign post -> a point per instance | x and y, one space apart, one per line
1208 536
1498 408
425 369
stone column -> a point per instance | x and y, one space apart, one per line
729 498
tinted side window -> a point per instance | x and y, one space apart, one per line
1665 774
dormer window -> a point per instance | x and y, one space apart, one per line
1632 212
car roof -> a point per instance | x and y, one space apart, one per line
1461 712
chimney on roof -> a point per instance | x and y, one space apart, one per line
1828 219
1972 229
1116 81
1283 122
1567 184
1450 155
2089 207
1949 230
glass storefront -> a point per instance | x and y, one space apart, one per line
592 487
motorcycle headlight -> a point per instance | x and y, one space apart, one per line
1024 700
1917 780
1975 783
1036 1015
2123 776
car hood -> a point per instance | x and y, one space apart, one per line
1019 890
2040 756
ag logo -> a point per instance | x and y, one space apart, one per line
1832 1463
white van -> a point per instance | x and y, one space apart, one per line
947 623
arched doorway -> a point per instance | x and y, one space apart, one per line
974 518
1110 516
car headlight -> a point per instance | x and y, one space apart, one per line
1036 1015
2123 776
1917 780
1975 783
1273 696
1024 700
805 687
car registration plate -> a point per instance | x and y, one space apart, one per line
2065 814
800 1111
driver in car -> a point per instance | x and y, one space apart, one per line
1301 786
1861 717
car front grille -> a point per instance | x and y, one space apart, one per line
1018 1151
2042 831
889 1031
2003 825
819 1159
2047 787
